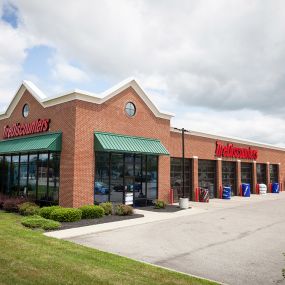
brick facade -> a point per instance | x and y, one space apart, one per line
78 120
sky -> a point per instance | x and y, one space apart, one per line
219 66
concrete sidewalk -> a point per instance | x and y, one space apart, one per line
151 217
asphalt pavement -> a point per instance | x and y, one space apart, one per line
241 241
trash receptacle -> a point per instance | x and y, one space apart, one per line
275 187
262 189
204 195
227 192
245 189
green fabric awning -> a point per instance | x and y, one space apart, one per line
120 143
38 143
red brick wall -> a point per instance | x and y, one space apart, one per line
62 119
78 120
204 148
110 117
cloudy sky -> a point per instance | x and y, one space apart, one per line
218 65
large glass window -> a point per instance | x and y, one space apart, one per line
1 173
6 174
229 175
207 176
32 176
273 168
117 178
152 166
261 173
23 175
176 177
246 174
131 178
102 189
53 177
42 176
14 178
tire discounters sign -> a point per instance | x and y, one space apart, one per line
18 129
231 151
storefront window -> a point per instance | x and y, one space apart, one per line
229 175
131 178
261 173
53 177
102 189
1 173
32 176
6 174
176 177
207 176
117 178
42 176
152 166
23 175
273 168
14 178
246 174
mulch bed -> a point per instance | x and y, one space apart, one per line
90 222
167 209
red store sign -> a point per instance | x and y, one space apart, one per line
18 129
231 151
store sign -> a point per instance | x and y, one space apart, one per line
18 129
231 151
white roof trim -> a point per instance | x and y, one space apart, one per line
230 139
83 96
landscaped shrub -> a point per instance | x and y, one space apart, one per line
159 204
28 209
40 222
45 212
12 204
108 208
123 210
2 200
66 215
92 212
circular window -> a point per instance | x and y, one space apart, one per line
130 109
26 110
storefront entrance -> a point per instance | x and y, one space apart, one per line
229 175
126 178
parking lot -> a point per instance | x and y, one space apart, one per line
240 241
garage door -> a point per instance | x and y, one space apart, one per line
261 173
207 176
273 173
229 175
246 174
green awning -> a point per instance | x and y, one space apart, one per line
46 142
120 143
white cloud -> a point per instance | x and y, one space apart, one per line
211 56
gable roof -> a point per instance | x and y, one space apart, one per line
77 94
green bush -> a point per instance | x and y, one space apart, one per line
123 210
28 209
45 212
66 215
92 212
159 204
40 222
108 208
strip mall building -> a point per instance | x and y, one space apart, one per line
79 148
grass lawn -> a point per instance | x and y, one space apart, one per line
29 257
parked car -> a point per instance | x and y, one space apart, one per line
101 188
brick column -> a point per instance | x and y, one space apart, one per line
254 177
195 182
219 177
238 176
267 176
